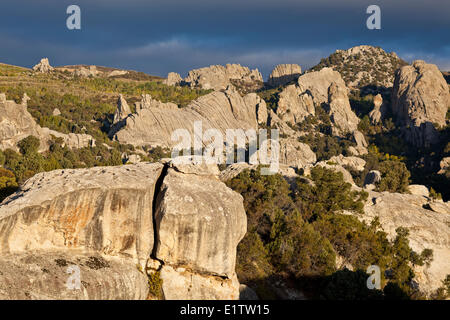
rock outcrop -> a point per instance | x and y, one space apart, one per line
427 230
420 101
296 154
122 111
173 79
364 65
324 88
361 144
43 66
379 110
87 72
355 163
219 77
116 223
16 123
154 124
294 105
283 74
341 114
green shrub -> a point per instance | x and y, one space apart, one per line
29 145
155 285
394 176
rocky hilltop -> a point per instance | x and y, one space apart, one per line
364 65
177 224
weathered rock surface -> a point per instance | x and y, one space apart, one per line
296 154
327 89
283 74
16 123
355 163
199 229
428 230
418 190
44 275
173 79
341 114
420 99
361 144
87 72
43 66
294 105
122 111
102 220
179 283
219 77
105 209
154 124
235 169
56 112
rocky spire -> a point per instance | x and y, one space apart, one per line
122 111
43 66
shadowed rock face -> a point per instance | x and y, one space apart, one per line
420 100
283 74
104 218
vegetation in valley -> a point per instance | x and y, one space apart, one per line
298 233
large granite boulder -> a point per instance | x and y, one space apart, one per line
283 74
117 226
197 228
420 101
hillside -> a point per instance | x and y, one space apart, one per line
363 65
362 180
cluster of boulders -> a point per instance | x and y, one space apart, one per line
16 123
218 77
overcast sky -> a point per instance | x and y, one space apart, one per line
158 36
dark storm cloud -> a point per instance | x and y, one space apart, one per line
159 36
